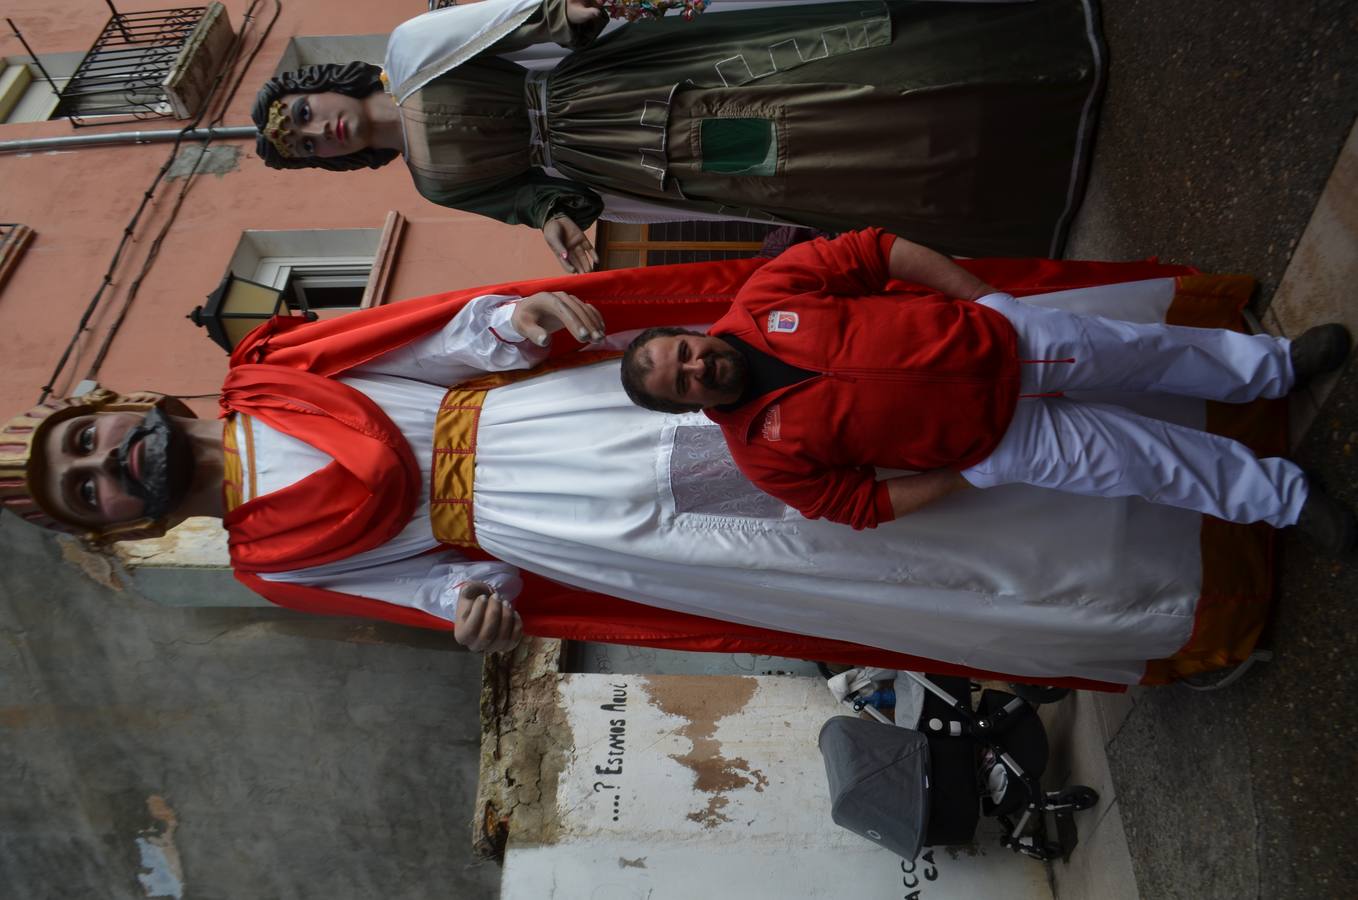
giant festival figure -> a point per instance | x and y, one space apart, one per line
963 126
353 480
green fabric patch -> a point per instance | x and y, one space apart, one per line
740 146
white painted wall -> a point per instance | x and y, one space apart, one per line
690 786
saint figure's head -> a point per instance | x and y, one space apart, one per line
104 466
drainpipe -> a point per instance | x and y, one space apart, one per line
75 142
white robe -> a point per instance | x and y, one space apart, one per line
576 484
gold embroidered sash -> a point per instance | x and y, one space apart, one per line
452 476
237 464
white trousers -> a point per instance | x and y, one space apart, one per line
1105 450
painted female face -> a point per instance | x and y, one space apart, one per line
324 124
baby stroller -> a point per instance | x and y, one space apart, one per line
904 788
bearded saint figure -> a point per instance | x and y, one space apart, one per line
368 465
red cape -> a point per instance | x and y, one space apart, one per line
283 372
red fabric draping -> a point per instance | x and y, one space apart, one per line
630 298
360 500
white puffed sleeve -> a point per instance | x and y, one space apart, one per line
429 582
479 339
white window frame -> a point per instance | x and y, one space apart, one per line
39 101
315 272
277 270
322 258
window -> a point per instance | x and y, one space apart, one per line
334 48
315 268
624 245
334 281
128 69
153 64
25 94
326 272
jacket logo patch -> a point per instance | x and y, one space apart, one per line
772 426
781 321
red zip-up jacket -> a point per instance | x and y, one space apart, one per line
905 378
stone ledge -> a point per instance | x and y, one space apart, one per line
190 81
525 743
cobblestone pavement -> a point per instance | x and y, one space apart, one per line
1221 125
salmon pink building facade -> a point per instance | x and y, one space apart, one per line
339 240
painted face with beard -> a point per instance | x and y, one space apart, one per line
116 467
164 467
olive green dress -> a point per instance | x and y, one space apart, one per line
962 126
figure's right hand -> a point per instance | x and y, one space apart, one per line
483 622
537 316
578 12
570 245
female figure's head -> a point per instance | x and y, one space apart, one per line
318 116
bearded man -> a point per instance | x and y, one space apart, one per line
352 480
820 374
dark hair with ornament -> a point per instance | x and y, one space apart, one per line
355 79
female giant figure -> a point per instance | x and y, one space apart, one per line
963 126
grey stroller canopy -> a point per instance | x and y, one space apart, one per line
879 781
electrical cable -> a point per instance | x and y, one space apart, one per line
147 195
231 94
153 252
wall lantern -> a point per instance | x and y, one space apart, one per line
237 307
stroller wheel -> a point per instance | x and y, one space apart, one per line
1078 796
1046 851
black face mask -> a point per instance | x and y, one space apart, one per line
166 464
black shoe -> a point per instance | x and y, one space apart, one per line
1320 349
1328 524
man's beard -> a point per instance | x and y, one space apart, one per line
166 464
736 369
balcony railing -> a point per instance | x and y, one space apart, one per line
125 72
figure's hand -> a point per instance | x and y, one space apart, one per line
484 622
538 316
573 250
578 12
